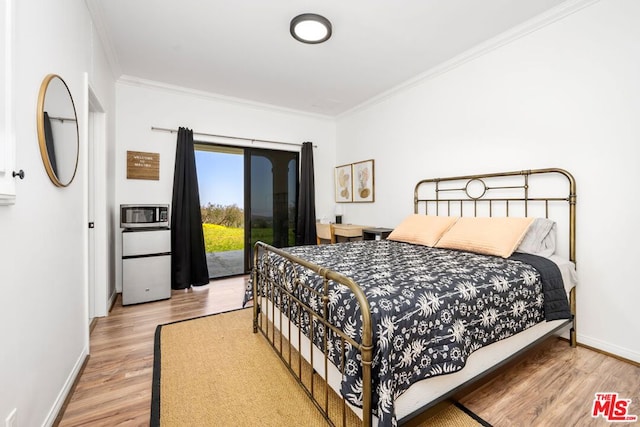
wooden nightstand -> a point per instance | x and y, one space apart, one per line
376 233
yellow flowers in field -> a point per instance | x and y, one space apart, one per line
218 238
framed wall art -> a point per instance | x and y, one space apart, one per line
363 181
343 188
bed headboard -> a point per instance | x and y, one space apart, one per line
548 193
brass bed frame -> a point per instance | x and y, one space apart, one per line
459 195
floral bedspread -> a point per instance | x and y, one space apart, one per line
431 308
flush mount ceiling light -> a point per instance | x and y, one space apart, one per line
310 28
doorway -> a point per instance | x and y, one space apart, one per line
99 291
246 195
221 187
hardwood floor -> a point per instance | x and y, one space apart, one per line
115 387
553 386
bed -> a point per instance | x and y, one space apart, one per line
398 325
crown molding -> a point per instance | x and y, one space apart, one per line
534 24
151 84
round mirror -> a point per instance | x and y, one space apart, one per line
58 130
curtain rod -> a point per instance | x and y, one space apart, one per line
230 137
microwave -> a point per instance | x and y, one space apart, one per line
144 216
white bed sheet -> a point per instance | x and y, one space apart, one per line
568 271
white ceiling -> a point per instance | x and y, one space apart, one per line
243 49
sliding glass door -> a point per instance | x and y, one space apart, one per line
246 195
271 188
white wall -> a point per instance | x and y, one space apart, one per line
566 95
43 309
142 105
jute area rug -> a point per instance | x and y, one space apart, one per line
214 371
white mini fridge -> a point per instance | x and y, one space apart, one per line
146 265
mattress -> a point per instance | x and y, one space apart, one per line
420 332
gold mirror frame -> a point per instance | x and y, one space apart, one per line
54 175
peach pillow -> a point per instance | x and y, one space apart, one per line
422 229
489 236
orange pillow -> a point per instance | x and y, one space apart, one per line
422 229
489 236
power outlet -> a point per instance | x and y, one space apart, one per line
11 420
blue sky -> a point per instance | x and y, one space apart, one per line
220 178
221 181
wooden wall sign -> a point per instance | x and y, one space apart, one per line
141 165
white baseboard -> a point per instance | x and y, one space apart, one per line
112 301
66 389
625 353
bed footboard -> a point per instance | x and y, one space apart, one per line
276 300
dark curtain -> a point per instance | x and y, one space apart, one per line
306 226
188 257
48 138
